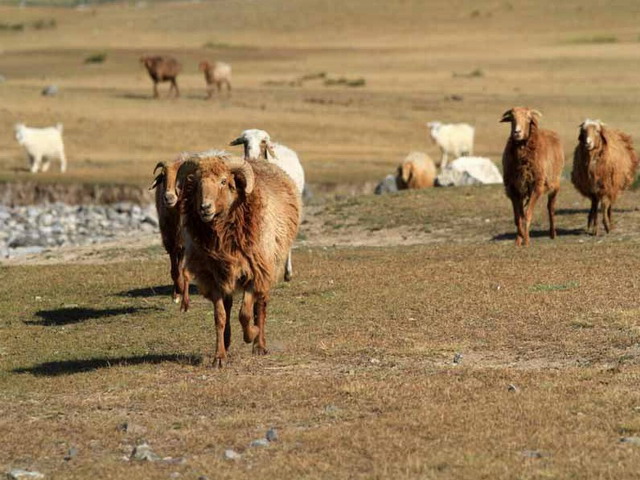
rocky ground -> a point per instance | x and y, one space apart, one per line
34 229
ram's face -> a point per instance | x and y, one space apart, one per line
590 135
215 193
520 119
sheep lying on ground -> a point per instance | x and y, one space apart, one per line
162 69
416 171
216 75
532 163
469 171
258 145
240 219
41 145
604 164
454 139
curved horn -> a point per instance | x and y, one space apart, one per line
159 165
507 116
243 170
536 113
237 141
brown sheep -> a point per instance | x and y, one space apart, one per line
604 164
532 163
216 74
416 171
162 69
169 219
240 220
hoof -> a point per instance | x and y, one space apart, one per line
258 350
176 299
250 334
288 277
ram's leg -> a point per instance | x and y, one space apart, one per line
592 224
551 208
228 303
220 318
228 83
260 342
609 209
249 331
35 166
46 163
155 89
174 84
209 91
606 212
63 162
528 215
288 269
186 300
517 219
176 276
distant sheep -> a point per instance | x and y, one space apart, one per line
41 145
162 69
416 171
216 75
454 139
258 145
532 164
604 164
240 219
469 171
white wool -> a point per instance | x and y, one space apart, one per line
454 139
41 145
286 158
469 171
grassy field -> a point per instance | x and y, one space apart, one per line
361 380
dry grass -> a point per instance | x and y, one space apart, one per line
360 381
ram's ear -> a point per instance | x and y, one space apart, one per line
507 116
270 150
244 177
156 181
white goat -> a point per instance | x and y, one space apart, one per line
454 139
258 145
41 145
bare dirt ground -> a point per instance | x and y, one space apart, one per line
361 380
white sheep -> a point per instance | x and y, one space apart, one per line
454 139
41 145
258 145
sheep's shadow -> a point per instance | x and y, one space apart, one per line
68 367
561 232
157 291
69 316
585 211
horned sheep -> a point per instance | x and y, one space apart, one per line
216 75
240 219
41 145
416 171
532 163
258 145
604 164
454 139
162 69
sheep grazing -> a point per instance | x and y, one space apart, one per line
162 69
41 145
454 139
216 75
240 219
416 171
604 164
258 145
532 163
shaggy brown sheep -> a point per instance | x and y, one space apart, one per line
604 164
416 171
216 74
240 219
162 69
532 164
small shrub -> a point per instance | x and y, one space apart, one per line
12 27
43 24
213 45
594 40
96 58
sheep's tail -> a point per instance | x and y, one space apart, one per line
59 127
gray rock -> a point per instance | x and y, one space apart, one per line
231 455
388 185
512 388
72 453
457 359
18 474
260 442
50 91
272 435
533 454
143 452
